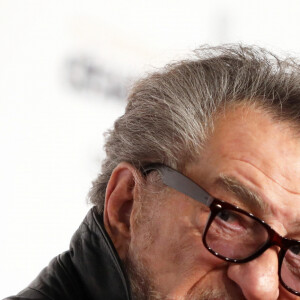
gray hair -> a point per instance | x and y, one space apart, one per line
170 112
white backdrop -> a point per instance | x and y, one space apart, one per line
64 68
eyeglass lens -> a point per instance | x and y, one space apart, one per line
290 268
237 236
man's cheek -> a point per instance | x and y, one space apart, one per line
193 257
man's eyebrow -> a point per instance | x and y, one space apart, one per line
242 192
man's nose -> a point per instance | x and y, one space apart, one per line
258 279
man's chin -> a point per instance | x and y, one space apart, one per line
228 291
143 287
211 295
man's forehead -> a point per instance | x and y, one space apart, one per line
251 120
253 136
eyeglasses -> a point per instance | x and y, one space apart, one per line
235 235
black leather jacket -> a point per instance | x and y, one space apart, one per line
90 270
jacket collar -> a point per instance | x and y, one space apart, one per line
97 262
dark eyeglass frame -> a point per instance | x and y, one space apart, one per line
185 185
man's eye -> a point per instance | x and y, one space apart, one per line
233 220
227 216
295 250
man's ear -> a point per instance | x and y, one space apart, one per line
119 200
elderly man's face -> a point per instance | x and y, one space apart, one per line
166 257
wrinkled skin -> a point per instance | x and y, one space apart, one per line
165 254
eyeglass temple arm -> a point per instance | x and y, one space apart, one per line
181 183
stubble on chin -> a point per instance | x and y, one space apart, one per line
143 287
209 294
228 290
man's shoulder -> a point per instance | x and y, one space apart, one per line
29 294
90 270
57 281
